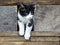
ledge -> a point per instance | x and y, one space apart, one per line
34 33
35 37
29 43
41 2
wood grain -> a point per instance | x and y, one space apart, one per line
35 37
41 2
34 33
29 43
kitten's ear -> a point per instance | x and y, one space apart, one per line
20 5
34 5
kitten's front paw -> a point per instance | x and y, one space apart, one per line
21 33
27 37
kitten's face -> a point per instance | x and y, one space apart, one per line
25 9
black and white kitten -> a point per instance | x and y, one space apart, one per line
25 19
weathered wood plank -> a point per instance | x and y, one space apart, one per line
41 2
34 33
29 43
8 2
36 37
33 39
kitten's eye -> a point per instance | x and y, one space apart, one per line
22 9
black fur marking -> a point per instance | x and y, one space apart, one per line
24 26
31 22
17 18
33 28
17 27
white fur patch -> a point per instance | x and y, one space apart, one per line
30 16
25 19
27 32
21 28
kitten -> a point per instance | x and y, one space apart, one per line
25 19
